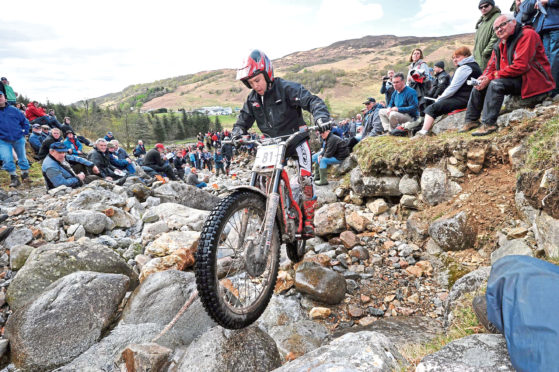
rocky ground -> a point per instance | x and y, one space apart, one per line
91 277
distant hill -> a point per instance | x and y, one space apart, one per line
343 73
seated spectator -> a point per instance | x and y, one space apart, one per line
102 159
456 96
122 164
403 106
140 149
73 145
442 81
334 151
154 160
518 66
192 179
179 162
11 96
109 137
120 152
36 115
46 130
372 125
65 127
57 170
54 136
36 138
387 88
21 107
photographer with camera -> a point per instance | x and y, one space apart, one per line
518 66
387 87
456 96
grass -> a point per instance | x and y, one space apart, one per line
543 148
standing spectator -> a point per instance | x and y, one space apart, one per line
419 78
218 157
417 64
154 160
485 35
54 136
403 106
11 96
518 66
227 152
36 138
13 129
442 80
387 88
208 159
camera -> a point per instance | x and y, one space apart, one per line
385 78
473 82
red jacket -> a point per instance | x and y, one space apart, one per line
33 112
527 59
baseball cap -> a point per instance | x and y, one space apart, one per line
369 100
159 146
35 126
110 133
44 126
3 78
110 145
58 146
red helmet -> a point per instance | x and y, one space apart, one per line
257 62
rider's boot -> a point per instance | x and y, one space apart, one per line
308 211
316 172
323 177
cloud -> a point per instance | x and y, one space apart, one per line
334 12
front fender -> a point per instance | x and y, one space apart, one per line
249 188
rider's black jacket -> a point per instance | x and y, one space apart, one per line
279 111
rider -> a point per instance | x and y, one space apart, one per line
276 105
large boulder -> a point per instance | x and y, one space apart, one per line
330 219
366 187
547 234
93 222
18 237
449 122
361 351
436 187
65 320
409 185
158 299
454 234
281 311
172 241
51 262
96 199
296 339
320 283
481 352
178 216
187 195
217 350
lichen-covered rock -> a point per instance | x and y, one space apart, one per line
93 222
366 187
435 186
330 219
455 233
187 195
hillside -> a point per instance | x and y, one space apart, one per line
344 73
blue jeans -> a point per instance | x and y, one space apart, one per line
201 185
324 162
7 156
551 45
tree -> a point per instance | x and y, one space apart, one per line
217 125
158 130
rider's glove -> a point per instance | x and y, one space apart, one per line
236 133
324 124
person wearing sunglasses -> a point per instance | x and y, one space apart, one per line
518 66
485 36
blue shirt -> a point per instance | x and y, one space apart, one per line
406 102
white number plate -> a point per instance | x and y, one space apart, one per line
267 156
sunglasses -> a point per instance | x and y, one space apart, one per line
484 6
501 26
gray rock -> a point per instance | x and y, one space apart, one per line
152 201
93 222
432 248
469 283
249 349
18 237
150 216
96 199
140 191
50 262
547 234
122 218
511 247
367 187
455 233
59 311
454 171
330 219
435 186
18 256
187 195
281 311
377 206
417 229
475 353
79 233
449 122
158 299
145 357
408 185
326 194
410 201
361 351
298 338
177 216
517 115
528 212
346 166
151 230
320 283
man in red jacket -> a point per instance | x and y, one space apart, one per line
518 66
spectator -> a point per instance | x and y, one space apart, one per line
122 164
37 115
36 138
73 145
192 158
372 126
193 180
442 81
387 88
334 151
109 137
154 160
20 106
227 151
518 66
180 164
456 96
57 170
485 36
101 158
419 78
13 129
140 149
403 106
219 166
65 127
46 130
208 159
10 94
120 152
54 136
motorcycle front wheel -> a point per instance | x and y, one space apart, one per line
235 273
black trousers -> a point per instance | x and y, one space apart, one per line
491 99
446 105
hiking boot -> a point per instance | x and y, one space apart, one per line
469 126
479 305
308 214
484 130
25 177
14 180
323 177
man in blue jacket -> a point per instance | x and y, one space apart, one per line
403 106
36 138
13 129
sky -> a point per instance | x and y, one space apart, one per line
65 51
